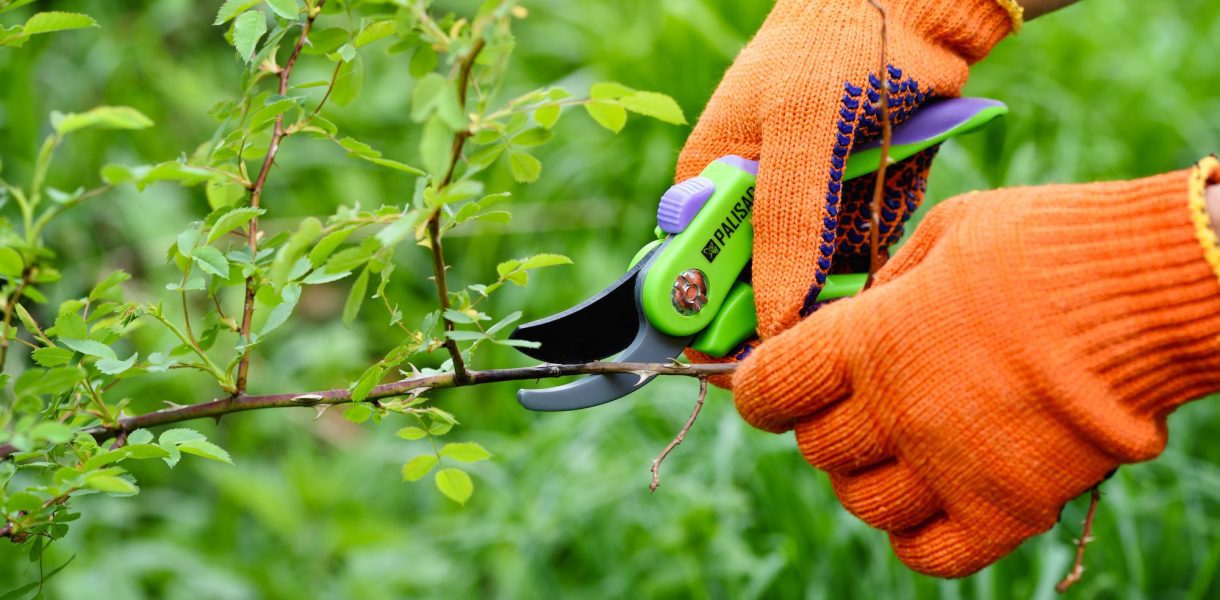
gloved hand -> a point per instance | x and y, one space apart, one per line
1023 344
801 94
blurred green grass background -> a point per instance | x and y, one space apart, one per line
1103 90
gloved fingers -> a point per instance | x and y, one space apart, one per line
842 438
797 202
796 373
944 547
906 184
939 221
889 496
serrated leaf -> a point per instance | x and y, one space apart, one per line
609 115
232 220
248 29
46 22
348 82
375 31
52 356
111 366
355 298
231 8
465 452
323 249
111 484
211 261
539 261
139 436
434 147
288 9
417 467
279 315
89 347
609 90
655 105
113 279
51 431
411 433
205 449
525 168
358 412
455 484
11 265
105 117
532 137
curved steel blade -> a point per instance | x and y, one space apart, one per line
599 327
648 346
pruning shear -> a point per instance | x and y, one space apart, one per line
689 287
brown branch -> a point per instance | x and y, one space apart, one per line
10 307
876 258
242 403
256 194
434 221
1086 536
656 462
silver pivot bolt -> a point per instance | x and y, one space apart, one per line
689 294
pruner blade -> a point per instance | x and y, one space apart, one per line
649 345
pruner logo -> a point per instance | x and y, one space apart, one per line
711 250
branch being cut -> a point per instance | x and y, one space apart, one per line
876 258
256 194
1086 536
434 221
242 403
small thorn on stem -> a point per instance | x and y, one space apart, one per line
1086 536
656 463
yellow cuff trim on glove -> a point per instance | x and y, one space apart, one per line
1015 13
1199 181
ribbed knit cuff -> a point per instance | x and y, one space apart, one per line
1134 297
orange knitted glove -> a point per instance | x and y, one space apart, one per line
801 94
1022 345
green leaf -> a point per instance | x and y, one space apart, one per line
111 366
435 146
358 412
532 137
232 220
105 117
355 298
348 82
375 31
52 356
279 315
539 261
547 115
417 467
465 452
89 348
248 29
525 168
289 9
53 381
657 106
608 115
231 8
411 433
222 192
423 61
609 90
13 5
139 437
205 449
323 249
113 279
11 265
211 261
51 431
111 484
455 484
170 439
46 22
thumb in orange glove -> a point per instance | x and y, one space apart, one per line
1022 345
801 94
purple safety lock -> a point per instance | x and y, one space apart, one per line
681 202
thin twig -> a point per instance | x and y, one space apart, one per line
10 306
1086 536
656 462
256 194
434 220
876 258
242 403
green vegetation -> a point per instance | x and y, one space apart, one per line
314 504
